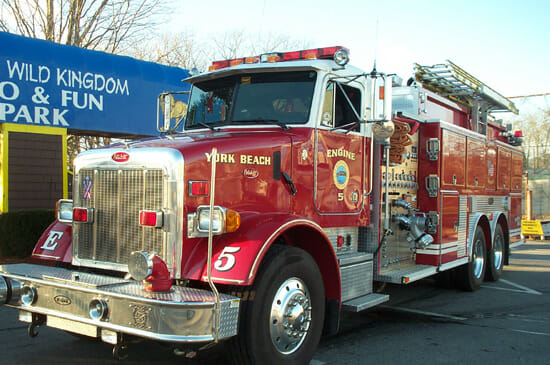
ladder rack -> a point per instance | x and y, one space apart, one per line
451 81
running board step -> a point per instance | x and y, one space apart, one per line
364 302
405 274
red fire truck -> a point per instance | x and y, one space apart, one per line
287 190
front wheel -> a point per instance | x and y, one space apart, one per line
282 321
470 276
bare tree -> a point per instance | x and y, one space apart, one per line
174 49
107 25
239 43
79 143
536 140
229 44
271 42
186 50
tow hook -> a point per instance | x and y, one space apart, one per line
120 351
37 321
185 352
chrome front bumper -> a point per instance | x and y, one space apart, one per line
62 297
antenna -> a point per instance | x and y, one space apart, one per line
374 72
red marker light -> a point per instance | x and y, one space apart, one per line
518 134
339 241
150 218
83 215
199 188
290 56
217 65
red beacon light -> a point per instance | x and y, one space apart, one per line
339 54
516 139
151 270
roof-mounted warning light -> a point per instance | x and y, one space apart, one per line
339 54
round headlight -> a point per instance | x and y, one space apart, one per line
98 309
140 266
341 57
28 295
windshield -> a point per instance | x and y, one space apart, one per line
274 97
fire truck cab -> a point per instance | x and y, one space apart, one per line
284 189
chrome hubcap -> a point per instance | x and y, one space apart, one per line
477 258
497 252
290 316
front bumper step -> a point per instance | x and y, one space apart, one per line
183 315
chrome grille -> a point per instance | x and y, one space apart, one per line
117 196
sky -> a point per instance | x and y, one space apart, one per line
504 43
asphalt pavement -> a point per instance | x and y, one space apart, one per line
505 322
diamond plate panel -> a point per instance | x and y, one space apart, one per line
356 280
462 225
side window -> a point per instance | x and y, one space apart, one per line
327 116
337 111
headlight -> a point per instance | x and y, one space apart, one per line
223 221
64 210
28 295
98 309
341 57
140 265
204 219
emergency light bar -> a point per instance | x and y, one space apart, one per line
338 53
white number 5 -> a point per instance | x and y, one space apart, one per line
227 254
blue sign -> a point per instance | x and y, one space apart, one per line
49 84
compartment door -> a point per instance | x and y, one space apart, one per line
453 162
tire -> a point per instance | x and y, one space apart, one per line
470 275
495 256
282 320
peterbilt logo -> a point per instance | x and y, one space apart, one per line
250 173
120 157
62 300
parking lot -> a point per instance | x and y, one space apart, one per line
506 322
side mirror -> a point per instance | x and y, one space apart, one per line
171 110
379 106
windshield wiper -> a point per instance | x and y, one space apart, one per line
267 121
207 126
210 126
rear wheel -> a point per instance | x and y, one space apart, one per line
282 321
470 276
495 256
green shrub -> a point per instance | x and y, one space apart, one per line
19 231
